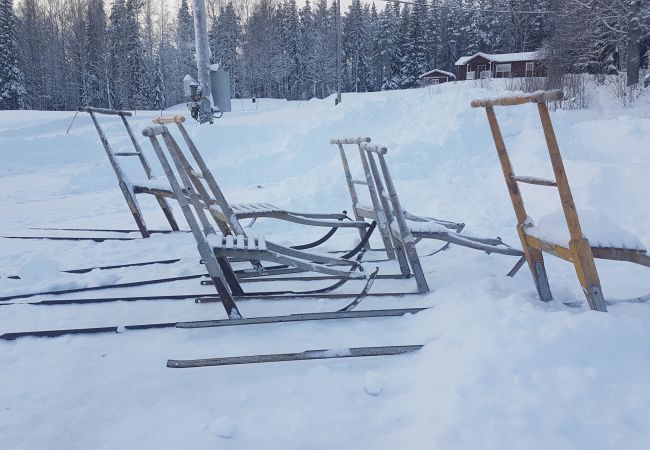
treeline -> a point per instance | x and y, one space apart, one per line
133 54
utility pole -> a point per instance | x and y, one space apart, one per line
338 52
202 47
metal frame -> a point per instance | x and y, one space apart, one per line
230 214
128 189
579 251
387 211
215 248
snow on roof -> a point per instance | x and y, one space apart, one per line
503 57
444 72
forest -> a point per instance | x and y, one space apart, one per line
133 54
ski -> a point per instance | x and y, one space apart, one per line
108 230
303 317
337 315
302 356
120 266
97 288
70 238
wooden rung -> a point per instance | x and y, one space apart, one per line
534 180
126 154
359 182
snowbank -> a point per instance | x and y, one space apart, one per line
499 369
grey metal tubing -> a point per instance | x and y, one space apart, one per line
291 252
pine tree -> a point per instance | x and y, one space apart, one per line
118 95
136 89
225 37
185 40
12 88
96 58
390 43
291 49
355 45
158 86
414 48
306 55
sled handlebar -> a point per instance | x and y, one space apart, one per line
356 140
380 150
154 130
169 119
535 97
109 112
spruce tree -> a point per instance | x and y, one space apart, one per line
96 57
12 88
185 41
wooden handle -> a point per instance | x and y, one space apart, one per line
169 119
109 112
154 130
535 97
356 140
380 150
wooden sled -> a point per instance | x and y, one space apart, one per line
128 189
161 189
400 229
230 214
216 248
576 247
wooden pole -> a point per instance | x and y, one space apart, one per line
534 257
581 254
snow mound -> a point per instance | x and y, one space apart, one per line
597 228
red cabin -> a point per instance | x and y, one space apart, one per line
506 65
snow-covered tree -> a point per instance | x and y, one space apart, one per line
12 88
185 40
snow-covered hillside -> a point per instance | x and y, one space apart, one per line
499 369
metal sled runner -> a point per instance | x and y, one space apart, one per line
401 230
576 247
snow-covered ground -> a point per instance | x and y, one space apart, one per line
499 370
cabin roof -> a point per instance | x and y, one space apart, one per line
440 71
503 57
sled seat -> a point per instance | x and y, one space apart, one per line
258 248
606 239
256 210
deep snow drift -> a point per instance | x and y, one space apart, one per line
500 369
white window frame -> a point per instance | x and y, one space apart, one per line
530 68
500 68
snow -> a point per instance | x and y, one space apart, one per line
374 383
595 227
498 369
502 57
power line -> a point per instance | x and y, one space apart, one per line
460 8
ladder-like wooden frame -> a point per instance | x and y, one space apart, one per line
579 251
128 189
